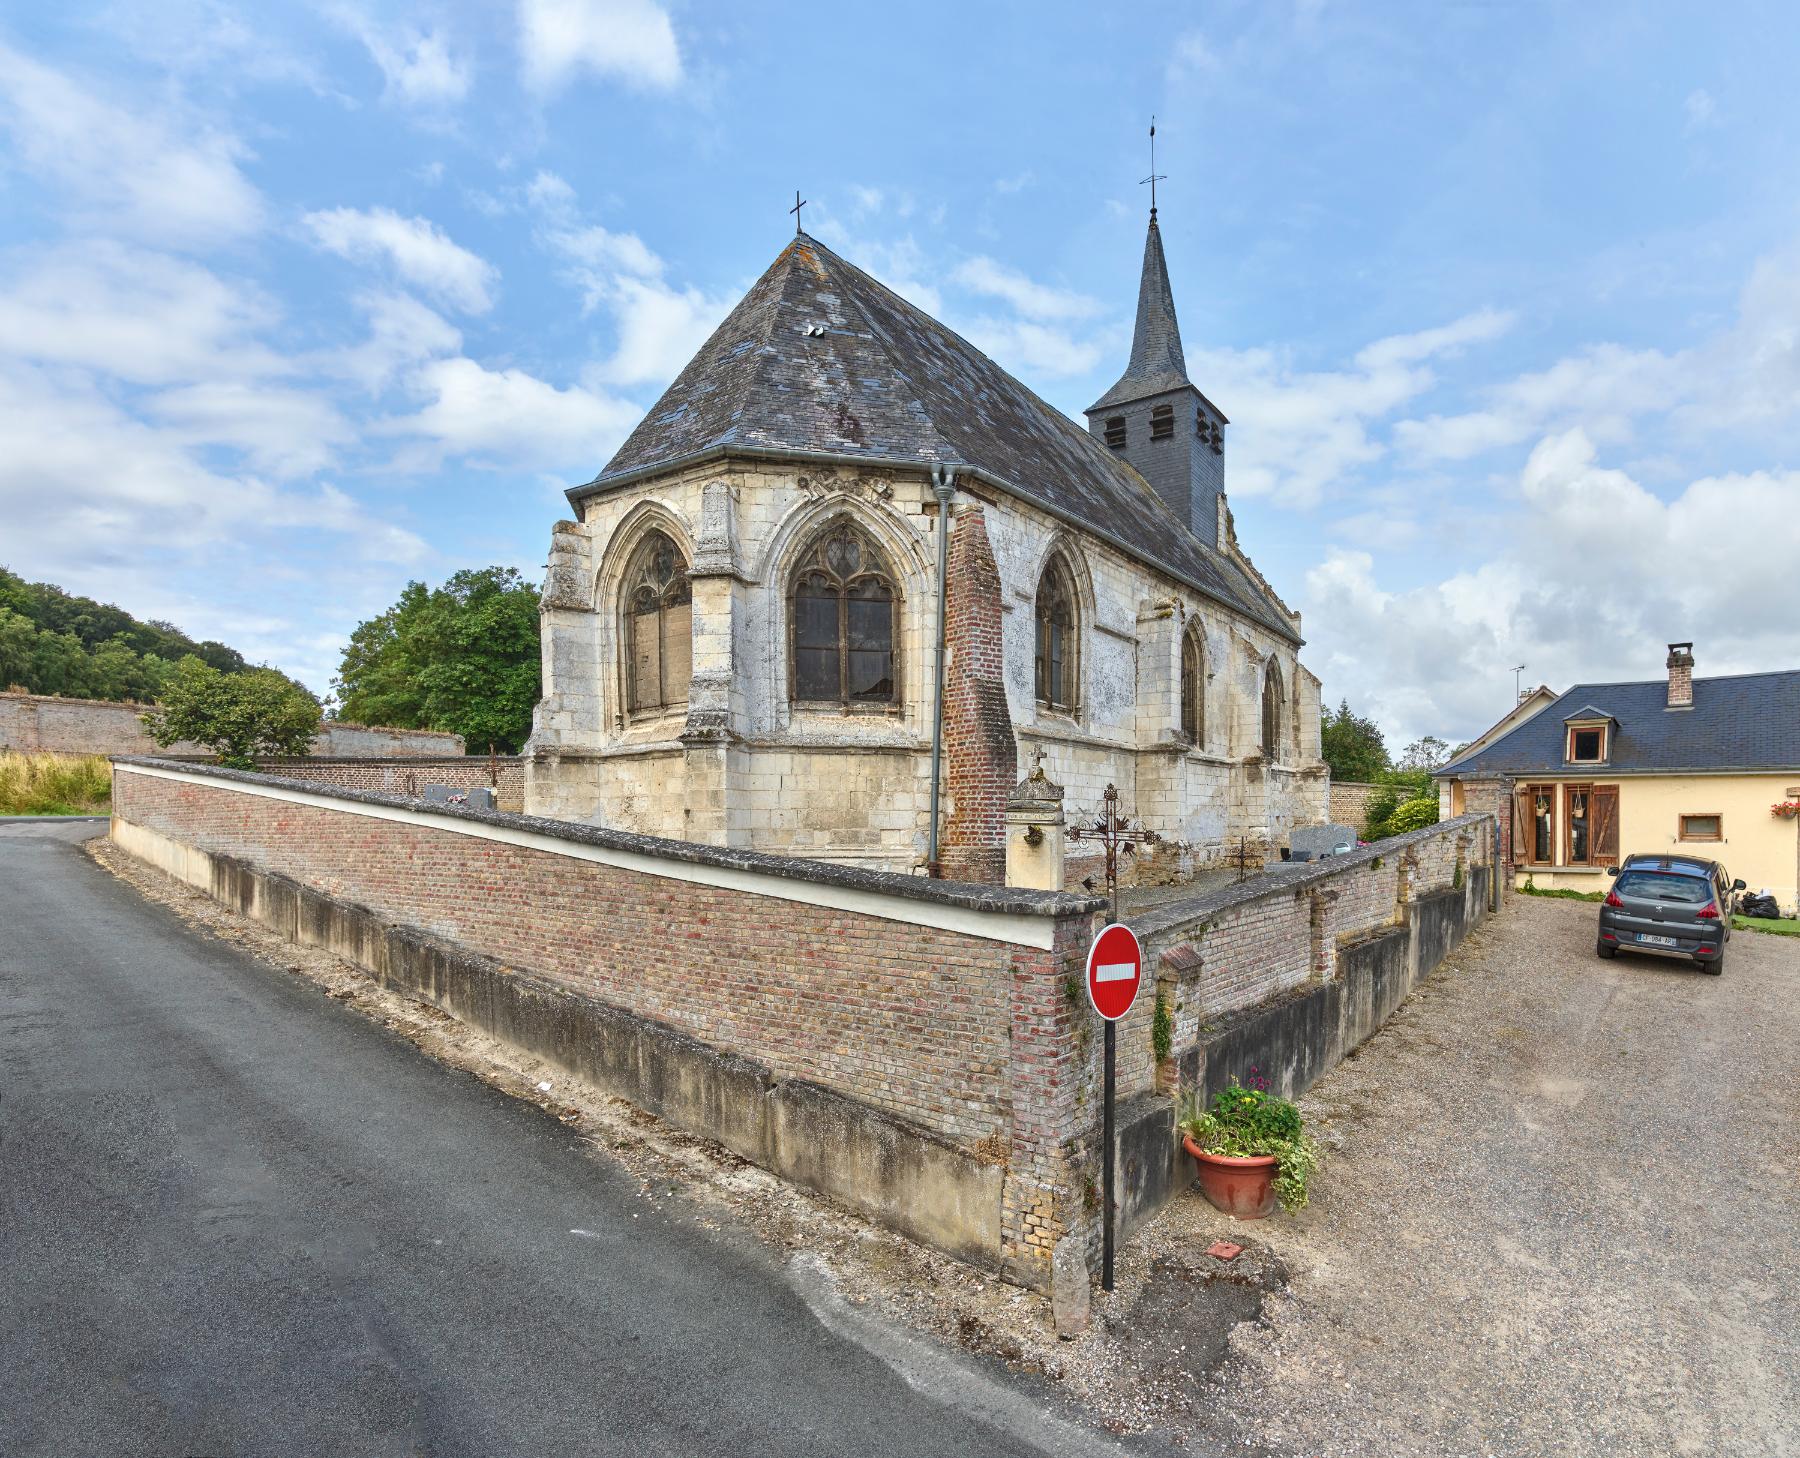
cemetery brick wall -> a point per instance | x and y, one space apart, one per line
1263 938
505 774
912 1019
984 1042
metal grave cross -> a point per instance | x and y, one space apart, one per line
1114 833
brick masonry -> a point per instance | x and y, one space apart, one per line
982 1040
409 775
980 752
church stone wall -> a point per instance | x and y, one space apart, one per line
740 765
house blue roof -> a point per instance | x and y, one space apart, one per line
1746 722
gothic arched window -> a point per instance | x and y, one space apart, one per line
844 614
1273 710
659 626
1193 688
1056 638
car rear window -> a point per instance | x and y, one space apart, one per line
1665 886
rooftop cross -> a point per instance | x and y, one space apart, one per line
1154 177
800 202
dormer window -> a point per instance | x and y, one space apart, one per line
1115 432
1587 743
1162 423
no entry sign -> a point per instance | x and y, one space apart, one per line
1115 969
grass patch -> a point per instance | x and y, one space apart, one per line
55 784
1785 927
1562 893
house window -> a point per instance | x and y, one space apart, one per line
1273 706
1115 432
1162 423
1056 639
1702 827
1590 825
844 607
659 626
1587 746
1193 688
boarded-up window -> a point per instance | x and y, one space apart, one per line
844 605
659 626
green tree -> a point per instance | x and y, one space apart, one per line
462 657
1352 745
1425 754
239 716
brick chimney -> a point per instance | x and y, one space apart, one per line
1681 675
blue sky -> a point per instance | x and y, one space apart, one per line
1503 300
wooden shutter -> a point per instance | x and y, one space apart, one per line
1603 824
1522 836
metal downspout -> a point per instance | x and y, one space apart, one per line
943 486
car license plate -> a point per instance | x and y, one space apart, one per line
1657 941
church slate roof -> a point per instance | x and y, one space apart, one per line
820 358
1743 722
1157 364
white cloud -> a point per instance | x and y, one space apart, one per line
659 325
286 432
1042 349
133 314
1298 435
626 40
1745 375
416 249
125 489
1701 111
420 66
1585 580
402 332
1034 300
509 416
660 329
134 171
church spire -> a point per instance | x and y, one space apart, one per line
1157 363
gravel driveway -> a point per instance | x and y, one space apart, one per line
1561 1217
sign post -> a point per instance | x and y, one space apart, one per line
1115 971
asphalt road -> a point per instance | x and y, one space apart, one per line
238 1219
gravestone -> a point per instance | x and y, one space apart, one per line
1314 842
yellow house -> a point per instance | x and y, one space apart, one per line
1609 770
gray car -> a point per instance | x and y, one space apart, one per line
1676 905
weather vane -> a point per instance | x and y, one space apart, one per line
800 202
1154 177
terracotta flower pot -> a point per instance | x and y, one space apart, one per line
1244 1187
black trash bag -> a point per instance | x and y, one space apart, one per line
1752 904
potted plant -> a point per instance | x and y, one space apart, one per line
1250 1149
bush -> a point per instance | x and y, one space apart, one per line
1414 814
54 784
1251 1121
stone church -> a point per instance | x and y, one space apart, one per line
745 642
